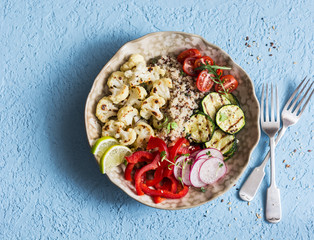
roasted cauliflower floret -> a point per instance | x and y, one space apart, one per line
105 109
115 129
151 107
127 137
126 115
133 61
137 94
161 88
117 86
112 128
142 74
116 76
143 131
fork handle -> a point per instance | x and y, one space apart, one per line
273 205
272 161
253 182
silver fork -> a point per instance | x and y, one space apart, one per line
271 126
289 116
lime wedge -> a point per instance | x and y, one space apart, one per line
102 145
113 157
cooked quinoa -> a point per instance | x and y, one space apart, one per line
184 98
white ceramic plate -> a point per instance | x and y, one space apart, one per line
163 43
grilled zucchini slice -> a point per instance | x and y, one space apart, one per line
212 102
229 155
199 128
230 119
224 142
233 100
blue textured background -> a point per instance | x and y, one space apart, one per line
50 53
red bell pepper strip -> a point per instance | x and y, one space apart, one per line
165 184
128 171
170 185
157 177
176 148
194 148
163 193
158 199
155 142
140 156
174 184
183 150
140 174
174 152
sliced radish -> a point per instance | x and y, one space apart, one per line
210 152
177 169
206 157
186 169
212 170
194 173
193 155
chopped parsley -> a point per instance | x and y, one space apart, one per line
223 117
163 155
171 126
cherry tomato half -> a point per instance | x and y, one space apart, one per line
204 81
203 61
229 83
188 66
188 53
219 72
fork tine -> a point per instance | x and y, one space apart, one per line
266 107
297 98
293 94
277 107
305 103
299 105
272 107
262 105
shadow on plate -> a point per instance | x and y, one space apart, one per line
68 143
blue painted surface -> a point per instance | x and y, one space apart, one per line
50 186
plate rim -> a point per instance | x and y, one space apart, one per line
210 44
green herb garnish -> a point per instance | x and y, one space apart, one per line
223 117
208 154
125 162
180 179
174 125
163 124
203 189
212 70
171 126
220 165
182 73
163 155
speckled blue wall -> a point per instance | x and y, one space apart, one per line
50 52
